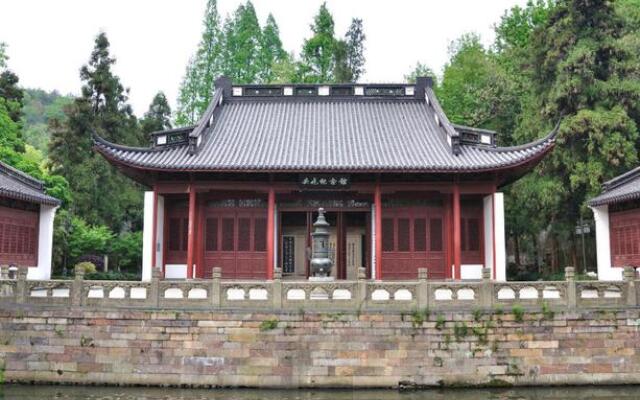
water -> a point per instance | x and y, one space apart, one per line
22 392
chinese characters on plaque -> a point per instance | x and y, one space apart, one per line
328 181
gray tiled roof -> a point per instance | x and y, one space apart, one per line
354 134
17 185
622 188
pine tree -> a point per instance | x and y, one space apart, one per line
354 39
188 105
318 52
584 72
242 54
158 117
196 89
271 49
101 195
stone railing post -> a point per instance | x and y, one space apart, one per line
423 288
486 289
76 287
570 277
21 285
630 279
154 287
276 289
216 288
361 287
4 272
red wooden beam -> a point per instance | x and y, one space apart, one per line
456 231
191 232
270 237
378 207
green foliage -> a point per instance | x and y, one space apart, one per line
39 107
477 315
475 89
86 239
112 276
126 251
318 52
518 312
418 71
460 330
85 267
101 195
242 54
547 312
158 117
418 317
440 321
271 50
268 324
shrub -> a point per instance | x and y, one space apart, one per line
268 324
112 276
96 260
518 313
86 267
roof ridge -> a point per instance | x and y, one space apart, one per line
621 179
549 137
100 141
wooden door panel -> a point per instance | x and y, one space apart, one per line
409 242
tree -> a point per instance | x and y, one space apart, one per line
476 91
318 52
158 117
418 71
354 39
271 49
101 195
189 108
242 54
196 89
583 72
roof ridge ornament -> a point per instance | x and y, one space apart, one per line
425 85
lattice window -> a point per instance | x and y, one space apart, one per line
211 234
419 234
184 235
228 234
260 234
473 232
388 240
404 233
244 234
435 234
174 234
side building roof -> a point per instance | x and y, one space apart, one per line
17 185
625 187
339 128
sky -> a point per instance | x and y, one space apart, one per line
152 40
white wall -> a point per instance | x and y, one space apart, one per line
487 213
160 233
147 236
603 245
471 271
45 244
501 244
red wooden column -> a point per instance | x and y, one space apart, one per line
457 242
191 232
378 208
270 236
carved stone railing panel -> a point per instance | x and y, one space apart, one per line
339 294
527 292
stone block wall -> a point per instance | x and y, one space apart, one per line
304 349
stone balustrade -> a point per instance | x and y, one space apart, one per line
343 295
